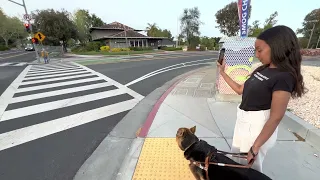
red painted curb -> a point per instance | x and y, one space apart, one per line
146 126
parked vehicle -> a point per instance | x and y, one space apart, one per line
29 47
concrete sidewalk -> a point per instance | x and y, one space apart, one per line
154 154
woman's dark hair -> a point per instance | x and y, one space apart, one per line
285 54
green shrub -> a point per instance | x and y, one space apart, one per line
105 48
171 48
3 48
115 49
125 49
93 46
202 48
140 48
90 46
78 49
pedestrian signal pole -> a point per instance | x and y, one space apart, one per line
28 26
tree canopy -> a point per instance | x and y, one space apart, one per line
312 18
228 19
255 29
154 31
56 25
83 21
190 26
11 28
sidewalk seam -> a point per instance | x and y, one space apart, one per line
146 126
223 136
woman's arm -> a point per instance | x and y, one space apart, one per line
280 100
235 86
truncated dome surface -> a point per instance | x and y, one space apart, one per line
161 159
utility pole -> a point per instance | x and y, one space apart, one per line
314 25
125 34
25 9
177 32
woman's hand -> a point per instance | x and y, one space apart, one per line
252 154
221 66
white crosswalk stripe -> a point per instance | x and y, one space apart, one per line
14 64
59 97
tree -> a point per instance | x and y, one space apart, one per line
228 19
154 31
312 18
181 40
210 43
255 29
56 25
83 21
271 21
10 28
303 42
165 33
96 21
190 26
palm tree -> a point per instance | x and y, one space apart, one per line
152 29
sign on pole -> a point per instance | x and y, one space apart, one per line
243 11
27 17
39 36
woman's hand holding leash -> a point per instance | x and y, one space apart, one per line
252 154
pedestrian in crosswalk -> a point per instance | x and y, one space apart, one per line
45 56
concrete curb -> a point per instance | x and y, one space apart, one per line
307 131
106 161
129 164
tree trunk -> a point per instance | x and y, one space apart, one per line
64 46
6 42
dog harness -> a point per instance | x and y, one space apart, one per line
208 158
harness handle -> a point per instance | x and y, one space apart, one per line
207 162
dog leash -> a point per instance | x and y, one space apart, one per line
207 161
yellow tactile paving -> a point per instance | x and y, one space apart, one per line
161 159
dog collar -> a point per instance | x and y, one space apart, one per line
191 145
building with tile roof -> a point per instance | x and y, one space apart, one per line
118 35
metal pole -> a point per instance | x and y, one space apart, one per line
177 33
318 42
314 24
125 34
25 9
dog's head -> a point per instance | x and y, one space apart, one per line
185 137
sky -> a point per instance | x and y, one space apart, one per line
165 13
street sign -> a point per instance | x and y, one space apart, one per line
39 36
27 17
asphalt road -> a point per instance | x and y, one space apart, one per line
7 75
128 71
61 112
17 56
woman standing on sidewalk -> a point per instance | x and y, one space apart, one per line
266 94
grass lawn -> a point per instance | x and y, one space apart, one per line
115 53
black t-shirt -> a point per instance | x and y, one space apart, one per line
258 89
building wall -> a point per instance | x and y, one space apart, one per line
121 43
97 33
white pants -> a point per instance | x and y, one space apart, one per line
248 127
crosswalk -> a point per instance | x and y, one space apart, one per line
13 64
48 99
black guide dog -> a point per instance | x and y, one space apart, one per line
196 151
